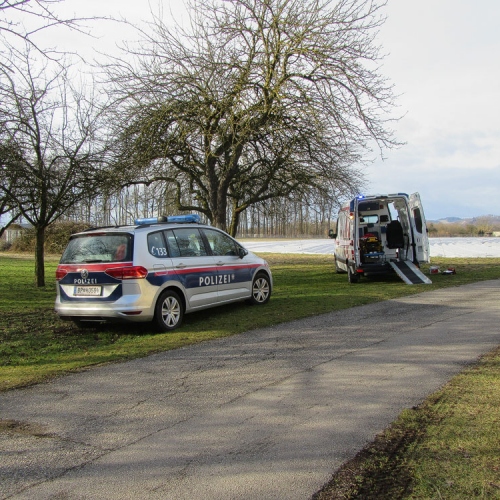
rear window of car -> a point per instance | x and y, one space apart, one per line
98 247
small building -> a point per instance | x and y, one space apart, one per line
14 231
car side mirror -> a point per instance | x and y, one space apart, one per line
242 252
332 234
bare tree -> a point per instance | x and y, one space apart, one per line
258 99
24 21
10 157
23 24
54 128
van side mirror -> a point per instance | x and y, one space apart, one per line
332 234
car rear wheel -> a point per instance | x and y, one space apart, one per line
261 289
352 276
169 311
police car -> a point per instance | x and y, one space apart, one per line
156 270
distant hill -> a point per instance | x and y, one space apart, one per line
485 225
447 219
491 219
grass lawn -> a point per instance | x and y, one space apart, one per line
35 345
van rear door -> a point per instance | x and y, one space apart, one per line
419 228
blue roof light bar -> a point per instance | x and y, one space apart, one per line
176 219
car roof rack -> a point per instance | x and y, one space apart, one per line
97 228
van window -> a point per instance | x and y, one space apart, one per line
343 226
368 219
368 205
417 215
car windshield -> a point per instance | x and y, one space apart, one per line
104 247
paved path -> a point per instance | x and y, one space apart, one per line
268 414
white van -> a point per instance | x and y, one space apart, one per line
382 234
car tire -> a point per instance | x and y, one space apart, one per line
169 311
261 289
352 276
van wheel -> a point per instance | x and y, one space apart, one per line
261 289
168 311
352 276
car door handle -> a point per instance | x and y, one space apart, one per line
180 266
220 263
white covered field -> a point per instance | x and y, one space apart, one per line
440 247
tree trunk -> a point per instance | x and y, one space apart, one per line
39 257
235 220
219 208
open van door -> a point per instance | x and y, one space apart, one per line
420 229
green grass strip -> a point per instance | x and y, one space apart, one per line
35 344
446 448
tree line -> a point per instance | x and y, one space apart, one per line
256 116
278 217
478 226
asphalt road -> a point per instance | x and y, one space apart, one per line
268 414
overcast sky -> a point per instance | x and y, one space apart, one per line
443 57
444 60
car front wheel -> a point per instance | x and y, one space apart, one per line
169 311
261 289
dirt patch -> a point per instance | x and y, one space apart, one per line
380 469
23 428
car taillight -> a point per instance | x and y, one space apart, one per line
127 273
60 274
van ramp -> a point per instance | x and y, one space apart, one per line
409 272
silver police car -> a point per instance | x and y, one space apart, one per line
156 270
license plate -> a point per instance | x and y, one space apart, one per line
88 291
